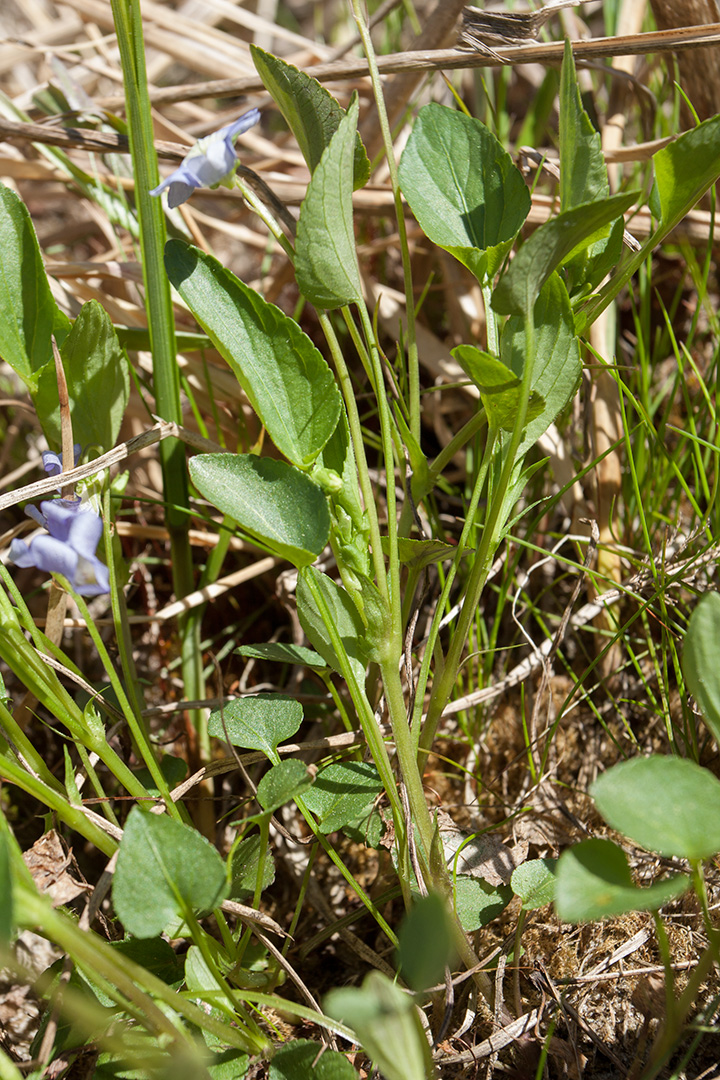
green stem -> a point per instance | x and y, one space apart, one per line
133 981
412 349
469 525
393 594
161 329
492 531
368 494
49 796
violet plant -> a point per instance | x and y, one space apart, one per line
316 495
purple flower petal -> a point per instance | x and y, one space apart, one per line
68 548
210 161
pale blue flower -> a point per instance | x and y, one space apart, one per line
68 548
210 161
52 462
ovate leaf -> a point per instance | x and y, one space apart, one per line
477 902
29 315
282 783
96 371
593 881
163 868
344 794
311 112
258 722
666 804
286 379
326 263
701 659
271 500
463 188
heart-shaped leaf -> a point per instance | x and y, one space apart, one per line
258 722
463 188
282 783
534 882
163 868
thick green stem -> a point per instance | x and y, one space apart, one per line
348 393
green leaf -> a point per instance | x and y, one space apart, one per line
326 263
230 1065
463 188
29 315
534 882
155 955
549 246
96 370
477 902
163 868
583 179
557 371
311 112
257 722
301 1060
282 783
701 660
666 804
499 387
583 173
284 653
346 622
421 553
593 882
7 921
425 943
271 500
343 793
287 381
685 169
244 863
387 1025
